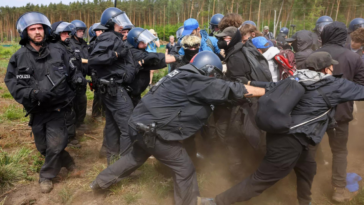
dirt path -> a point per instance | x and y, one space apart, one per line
151 188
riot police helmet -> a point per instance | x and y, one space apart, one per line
249 22
29 19
112 16
284 30
321 23
215 20
137 35
179 32
91 31
208 63
355 24
78 25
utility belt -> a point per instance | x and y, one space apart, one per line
149 133
111 86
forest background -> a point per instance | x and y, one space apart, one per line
165 16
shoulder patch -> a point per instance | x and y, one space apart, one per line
173 73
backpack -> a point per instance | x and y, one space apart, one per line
258 63
286 64
275 107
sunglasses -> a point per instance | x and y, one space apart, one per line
192 46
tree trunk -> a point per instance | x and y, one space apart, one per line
289 12
191 9
337 10
332 7
279 15
250 11
164 18
260 1
232 6
348 15
213 7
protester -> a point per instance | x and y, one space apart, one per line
269 52
169 48
152 48
289 151
357 42
230 19
301 43
350 65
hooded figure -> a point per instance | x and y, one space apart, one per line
302 44
351 67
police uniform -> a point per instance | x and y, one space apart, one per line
30 70
179 105
114 67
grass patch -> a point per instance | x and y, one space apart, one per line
65 195
13 167
89 94
13 112
131 197
359 199
158 74
37 162
6 95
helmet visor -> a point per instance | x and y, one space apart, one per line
64 27
122 19
358 26
179 32
146 37
29 19
320 26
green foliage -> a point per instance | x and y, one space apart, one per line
65 194
13 167
12 113
6 95
89 94
131 197
157 75
37 162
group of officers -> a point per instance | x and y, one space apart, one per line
47 75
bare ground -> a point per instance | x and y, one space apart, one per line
151 188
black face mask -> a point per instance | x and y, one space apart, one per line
189 54
222 44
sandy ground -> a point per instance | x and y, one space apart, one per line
214 177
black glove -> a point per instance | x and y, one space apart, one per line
42 96
178 58
121 51
243 80
79 80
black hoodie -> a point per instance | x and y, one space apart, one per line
304 47
350 65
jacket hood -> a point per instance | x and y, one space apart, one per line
334 33
271 52
312 80
235 40
304 40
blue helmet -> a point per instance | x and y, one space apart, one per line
29 19
249 22
137 35
208 63
91 32
322 22
79 25
355 24
284 30
215 19
112 16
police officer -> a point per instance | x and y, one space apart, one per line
214 24
97 107
281 38
249 22
114 67
81 49
139 39
320 25
165 116
60 40
39 78
354 25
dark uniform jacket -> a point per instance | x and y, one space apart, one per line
27 70
142 77
181 102
350 65
81 49
107 65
